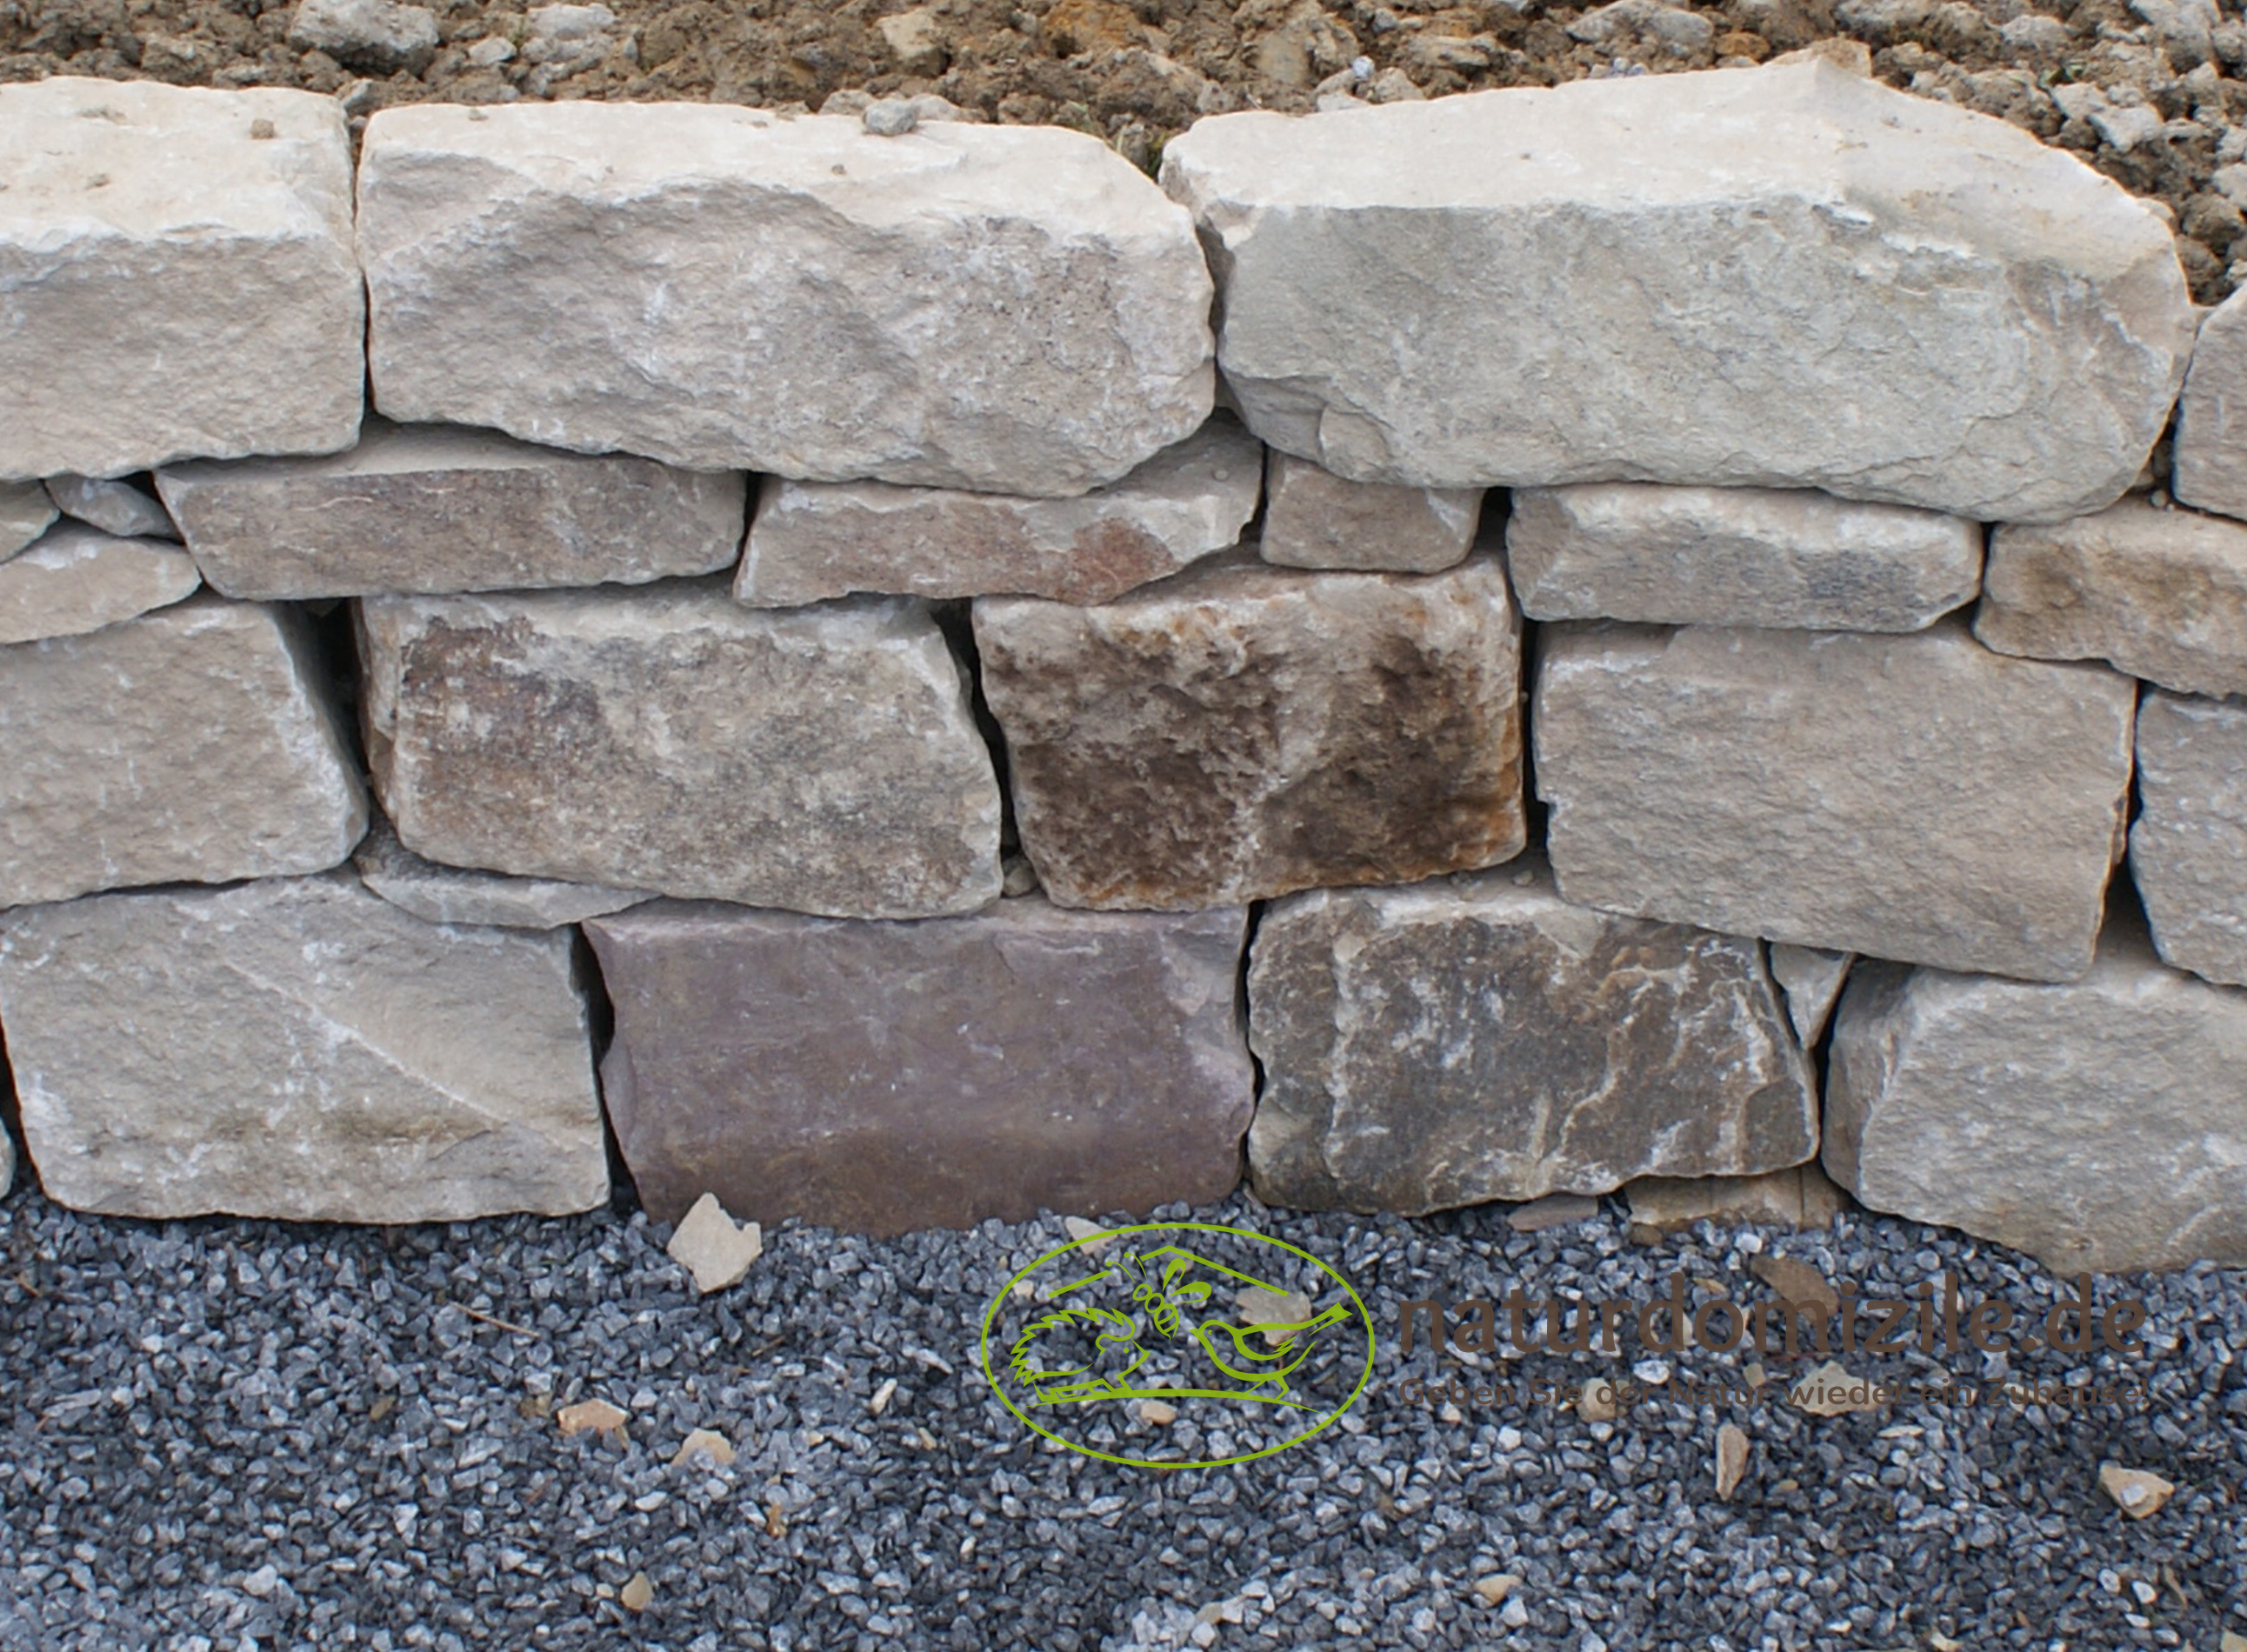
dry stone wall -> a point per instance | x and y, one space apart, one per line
1547 641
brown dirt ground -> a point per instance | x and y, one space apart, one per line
1137 73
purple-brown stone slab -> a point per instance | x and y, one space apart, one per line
881 1077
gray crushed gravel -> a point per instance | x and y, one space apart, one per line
221 1434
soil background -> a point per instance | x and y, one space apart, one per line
2144 89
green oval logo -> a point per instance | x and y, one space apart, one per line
1177 1345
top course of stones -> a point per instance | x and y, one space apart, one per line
1789 277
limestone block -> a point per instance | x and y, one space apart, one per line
298 1049
667 739
2210 455
1785 277
453 895
432 509
176 277
1478 1037
1785 559
2189 844
1913 797
1314 519
191 745
79 579
1241 731
878 1077
1008 308
813 540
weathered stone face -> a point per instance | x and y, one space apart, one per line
2100 1125
1479 1038
812 540
2160 594
25 510
191 745
79 579
1791 277
2189 844
452 895
880 1077
297 1048
1008 308
201 298
667 739
424 509
2209 456
1314 519
116 508
1810 980
1913 797
1767 557
1241 732
1801 1198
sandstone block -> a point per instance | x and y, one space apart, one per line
1787 277
2210 455
1008 308
812 540
880 1077
1913 797
2099 1125
191 745
1314 519
178 285
25 510
1479 1037
2160 594
453 895
298 1049
1801 1198
1811 979
2189 844
434 510
667 739
1784 558
79 579
116 508
1241 732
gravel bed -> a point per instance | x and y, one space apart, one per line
227 1434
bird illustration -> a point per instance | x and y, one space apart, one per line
1245 1364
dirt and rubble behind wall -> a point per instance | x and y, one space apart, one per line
2147 92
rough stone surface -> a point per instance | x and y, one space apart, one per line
812 540
1241 732
298 1049
1008 308
432 509
1788 277
1810 978
2209 454
25 510
191 745
116 508
1913 797
379 36
1314 519
2160 594
710 1246
1476 1038
880 1077
822 760
79 579
1801 1197
453 895
2099 1125
1789 558
174 286
2189 844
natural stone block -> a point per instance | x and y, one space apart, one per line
1009 308
2100 1125
191 745
2160 594
180 282
1241 732
2210 455
25 510
380 37
79 579
880 1077
1478 1038
432 509
1913 796
1781 557
814 540
298 1049
116 508
1786 278
2189 844
1803 1197
454 894
1811 979
667 739
1314 519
